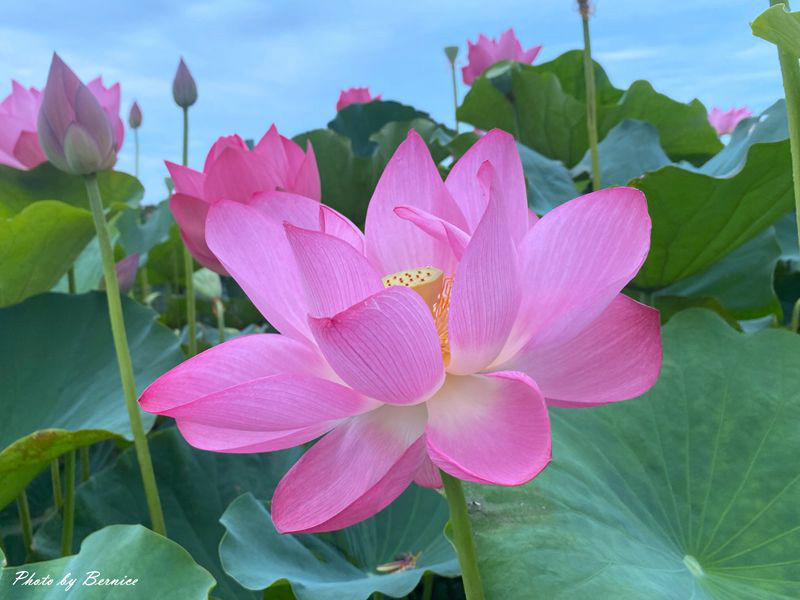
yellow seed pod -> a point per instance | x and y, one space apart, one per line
426 281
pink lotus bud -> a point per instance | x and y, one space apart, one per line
135 116
184 89
355 95
74 130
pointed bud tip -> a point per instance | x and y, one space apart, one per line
184 88
135 116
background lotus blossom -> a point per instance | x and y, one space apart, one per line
726 121
434 341
19 138
486 52
355 95
234 172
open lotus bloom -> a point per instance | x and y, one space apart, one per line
726 121
235 173
486 52
436 340
355 95
19 138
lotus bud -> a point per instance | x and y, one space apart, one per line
452 53
135 116
74 130
184 89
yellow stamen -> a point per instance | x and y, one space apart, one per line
434 287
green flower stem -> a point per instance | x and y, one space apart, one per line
591 101
25 524
85 466
69 503
124 356
144 283
795 322
188 263
3 546
462 537
136 153
55 478
455 93
427 586
219 309
71 280
790 71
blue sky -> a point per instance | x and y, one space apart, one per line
257 62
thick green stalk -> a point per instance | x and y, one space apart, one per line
455 93
462 537
85 466
427 586
55 479
25 524
795 322
591 101
790 70
124 356
136 152
69 503
188 263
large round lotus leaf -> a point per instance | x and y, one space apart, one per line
360 120
20 188
343 565
162 570
195 489
61 386
690 491
38 245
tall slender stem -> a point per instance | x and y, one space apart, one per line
219 308
124 356
85 463
69 503
136 152
790 70
591 100
463 539
188 262
455 93
71 280
55 479
25 524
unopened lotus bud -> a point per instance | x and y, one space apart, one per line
184 89
135 116
452 53
74 130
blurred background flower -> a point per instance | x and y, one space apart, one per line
248 57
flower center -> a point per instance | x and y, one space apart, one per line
435 288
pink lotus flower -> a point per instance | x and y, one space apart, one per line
19 139
233 172
487 52
435 341
355 95
726 121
